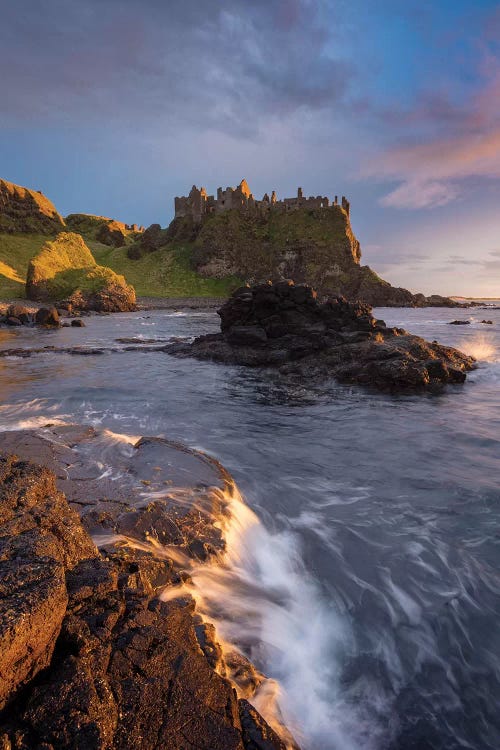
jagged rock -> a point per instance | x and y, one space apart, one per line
459 323
284 325
257 734
116 668
40 539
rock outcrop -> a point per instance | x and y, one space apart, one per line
65 270
92 657
41 539
102 229
283 325
23 210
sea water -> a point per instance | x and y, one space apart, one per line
362 572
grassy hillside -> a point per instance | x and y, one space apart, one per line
65 264
16 250
164 273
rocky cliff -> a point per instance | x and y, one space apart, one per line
24 210
313 246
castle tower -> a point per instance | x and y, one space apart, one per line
245 190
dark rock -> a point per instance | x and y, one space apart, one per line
487 322
20 312
246 335
257 734
459 323
11 321
111 234
77 323
272 325
47 316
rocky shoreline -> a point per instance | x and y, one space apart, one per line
284 326
102 647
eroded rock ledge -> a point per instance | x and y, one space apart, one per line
283 325
91 657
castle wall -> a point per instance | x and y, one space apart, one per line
198 203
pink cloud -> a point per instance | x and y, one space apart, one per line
455 142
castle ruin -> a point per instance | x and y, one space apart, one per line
198 204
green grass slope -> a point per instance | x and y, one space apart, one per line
65 264
16 251
164 273
167 272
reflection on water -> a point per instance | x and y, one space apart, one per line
380 519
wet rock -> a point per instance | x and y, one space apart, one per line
459 323
12 321
257 734
487 322
283 325
116 667
40 539
77 323
47 316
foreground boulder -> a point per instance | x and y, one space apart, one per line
283 325
65 270
41 539
91 658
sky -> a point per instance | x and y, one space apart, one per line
113 107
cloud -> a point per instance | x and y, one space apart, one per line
227 66
420 194
448 135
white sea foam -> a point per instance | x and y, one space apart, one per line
262 600
482 347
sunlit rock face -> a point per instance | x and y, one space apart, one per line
283 325
121 657
24 210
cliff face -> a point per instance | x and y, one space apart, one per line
23 210
313 246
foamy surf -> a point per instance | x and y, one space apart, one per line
481 347
262 602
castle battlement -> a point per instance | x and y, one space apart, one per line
198 203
